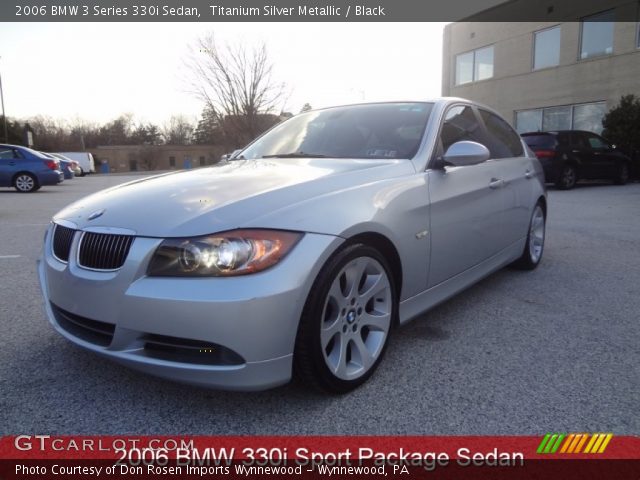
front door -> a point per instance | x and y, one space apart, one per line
466 203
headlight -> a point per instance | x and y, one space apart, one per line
237 252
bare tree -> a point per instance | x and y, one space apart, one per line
237 84
178 131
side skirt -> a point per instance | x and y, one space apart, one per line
419 304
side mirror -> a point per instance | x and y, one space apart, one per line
465 153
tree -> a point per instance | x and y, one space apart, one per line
14 130
622 125
148 134
237 85
306 107
209 131
117 132
178 131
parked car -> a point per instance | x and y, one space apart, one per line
84 159
303 254
65 165
27 170
75 166
568 156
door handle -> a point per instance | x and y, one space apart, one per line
496 183
528 174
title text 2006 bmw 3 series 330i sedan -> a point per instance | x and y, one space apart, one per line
301 254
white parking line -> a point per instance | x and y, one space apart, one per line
10 256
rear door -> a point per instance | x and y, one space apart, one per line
516 172
466 206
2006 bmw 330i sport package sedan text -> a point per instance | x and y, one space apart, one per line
300 254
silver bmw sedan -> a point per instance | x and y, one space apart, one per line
300 254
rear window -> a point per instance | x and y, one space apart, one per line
540 141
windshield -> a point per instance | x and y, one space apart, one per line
383 130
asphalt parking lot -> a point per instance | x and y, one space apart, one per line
556 349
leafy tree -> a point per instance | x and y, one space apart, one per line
306 107
622 125
209 130
148 134
14 130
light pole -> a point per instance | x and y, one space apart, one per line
4 116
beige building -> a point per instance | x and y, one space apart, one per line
547 75
125 158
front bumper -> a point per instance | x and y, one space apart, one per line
254 317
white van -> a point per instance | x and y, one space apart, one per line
84 159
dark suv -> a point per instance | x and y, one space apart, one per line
571 155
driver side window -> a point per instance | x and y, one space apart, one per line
460 124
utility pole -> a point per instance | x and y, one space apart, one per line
4 115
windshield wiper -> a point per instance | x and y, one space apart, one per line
295 155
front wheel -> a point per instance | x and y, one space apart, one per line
622 177
25 183
346 321
532 253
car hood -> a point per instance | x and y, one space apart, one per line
223 197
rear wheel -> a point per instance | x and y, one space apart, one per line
532 253
346 321
25 183
568 178
622 177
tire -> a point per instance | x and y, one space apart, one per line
346 321
534 247
25 183
567 178
622 177
82 172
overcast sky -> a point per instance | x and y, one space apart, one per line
96 71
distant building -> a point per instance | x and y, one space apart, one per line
546 75
126 158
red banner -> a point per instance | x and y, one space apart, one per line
564 455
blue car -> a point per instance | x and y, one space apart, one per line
27 170
65 165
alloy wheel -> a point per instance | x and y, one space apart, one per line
25 183
536 234
356 318
568 177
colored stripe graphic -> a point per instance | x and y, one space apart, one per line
573 443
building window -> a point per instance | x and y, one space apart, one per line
474 66
596 36
556 118
546 48
202 163
587 116
464 68
529 121
172 161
